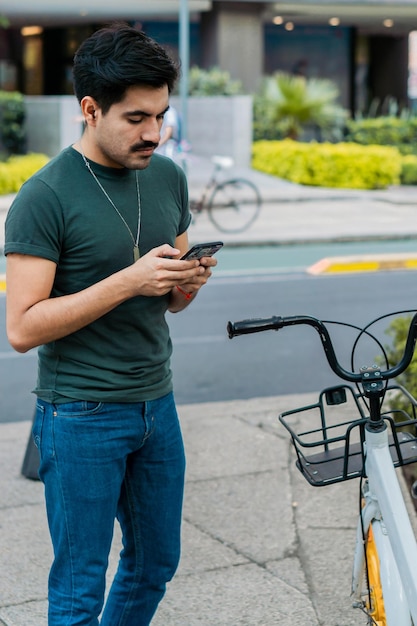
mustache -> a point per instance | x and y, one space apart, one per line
143 145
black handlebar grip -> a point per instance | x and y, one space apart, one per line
255 325
245 327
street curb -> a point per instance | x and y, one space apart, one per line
364 263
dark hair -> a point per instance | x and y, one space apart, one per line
117 57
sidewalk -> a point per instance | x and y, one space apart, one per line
294 213
261 547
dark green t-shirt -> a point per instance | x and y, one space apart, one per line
61 214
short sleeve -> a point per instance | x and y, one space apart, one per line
34 223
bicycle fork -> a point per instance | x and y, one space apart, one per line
384 501
376 583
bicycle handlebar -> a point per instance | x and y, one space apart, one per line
257 325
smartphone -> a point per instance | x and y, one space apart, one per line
202 249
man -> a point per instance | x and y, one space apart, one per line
93 243
170 134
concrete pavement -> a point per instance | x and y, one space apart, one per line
261 547
294 213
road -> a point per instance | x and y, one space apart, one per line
208 366
298 257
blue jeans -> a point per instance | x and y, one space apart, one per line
100 461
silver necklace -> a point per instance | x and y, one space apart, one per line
136 254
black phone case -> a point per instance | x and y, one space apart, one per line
202 249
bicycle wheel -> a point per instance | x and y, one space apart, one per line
234 205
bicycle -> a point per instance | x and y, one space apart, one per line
233 204
384 574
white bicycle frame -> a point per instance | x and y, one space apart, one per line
386 511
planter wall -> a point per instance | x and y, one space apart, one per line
217 125
52 123
220 125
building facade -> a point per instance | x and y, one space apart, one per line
363 46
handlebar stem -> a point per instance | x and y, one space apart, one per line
374 391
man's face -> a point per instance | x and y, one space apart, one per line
127 135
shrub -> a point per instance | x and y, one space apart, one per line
397 401
212 82
385 131
12 116
409 170
17 169
264 124
398 331
288 104
343 165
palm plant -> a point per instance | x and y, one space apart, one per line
295 102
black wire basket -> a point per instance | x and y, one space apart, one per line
332 450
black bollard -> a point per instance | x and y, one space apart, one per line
31 461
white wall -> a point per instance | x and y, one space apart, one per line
220 125
52 123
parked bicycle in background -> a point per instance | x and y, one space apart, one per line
232 204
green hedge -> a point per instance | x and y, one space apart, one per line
12 117
17 169
409 170
385 131
343 165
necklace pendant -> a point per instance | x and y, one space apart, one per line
136 254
